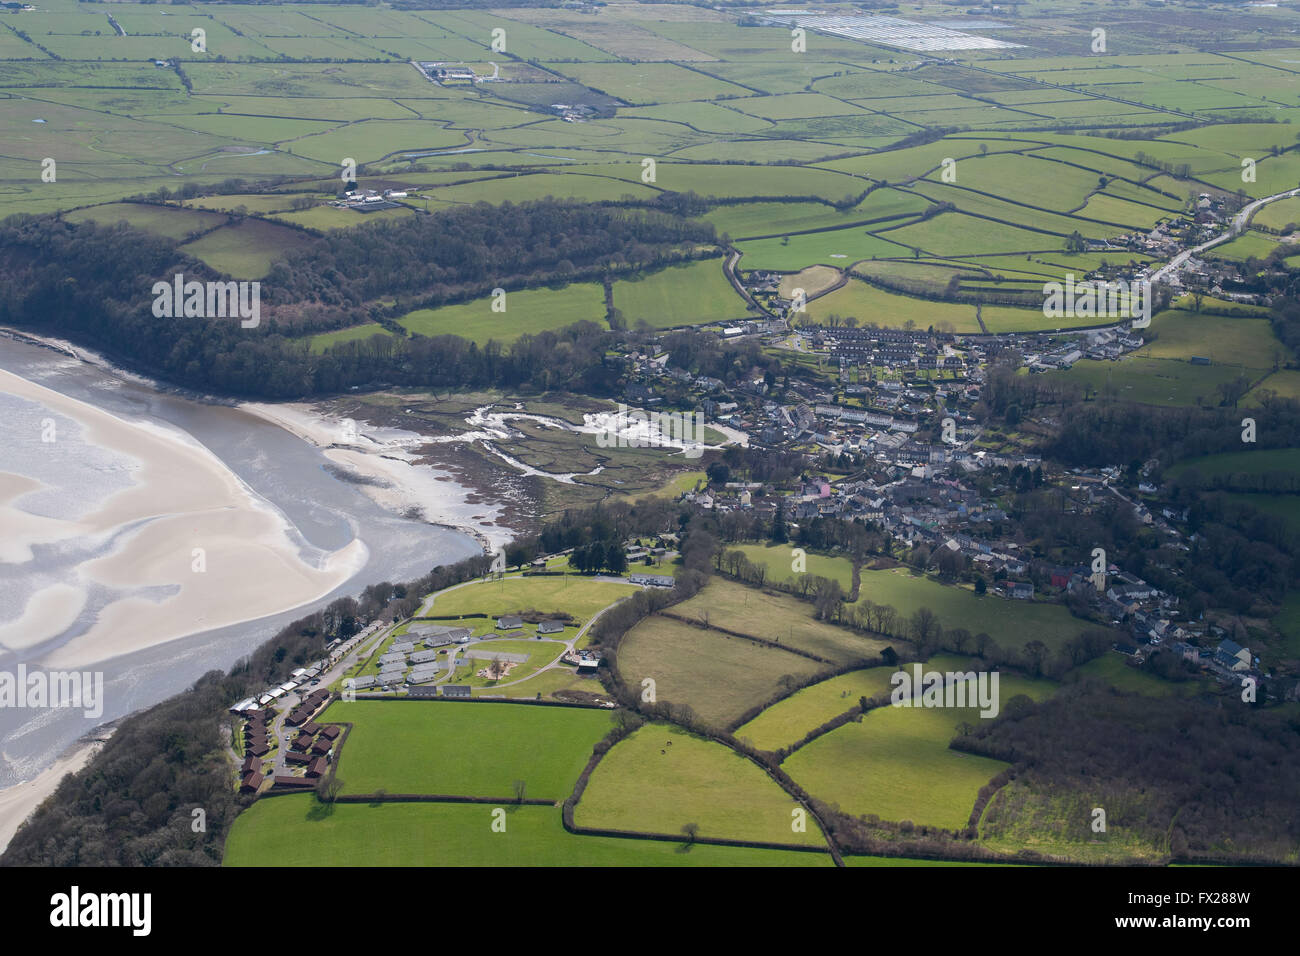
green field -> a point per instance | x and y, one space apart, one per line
527 312
162 220
778 560
581 597
1151 381
895 762
775 617
357 333
296 830
661 778
689 294
1260 461
717 676
840 248
785 723
868 304
1112 669
1224 340
247 250
471 750
1009 623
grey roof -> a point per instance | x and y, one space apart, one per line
455 690
402 647
666 580
359 682
550 627
421 657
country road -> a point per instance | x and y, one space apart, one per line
1238 224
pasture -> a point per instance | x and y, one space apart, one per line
1008 623
470 750
777 618
246 250
785 723
895 762
296 830
778 560
579 596
662 778
689 294
716 675
526 312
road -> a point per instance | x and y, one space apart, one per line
1238 224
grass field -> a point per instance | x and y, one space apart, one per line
1009 623
839 248
1112 669
471 750
298 831
867 304
775 617
778 561
1288 622
247 250
661 778
1151 381
162 220
717 676
895 762
357 333
1260 461
527 312
688 294
786 723
580 596
1224 340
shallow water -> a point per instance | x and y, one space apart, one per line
324 512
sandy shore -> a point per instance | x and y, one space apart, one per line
18 802
386 459
218 553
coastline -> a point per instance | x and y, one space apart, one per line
20 801
388 469
186 524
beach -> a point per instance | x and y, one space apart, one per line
386 462
209 550
18 802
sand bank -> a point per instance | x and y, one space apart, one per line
18 802
213 552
